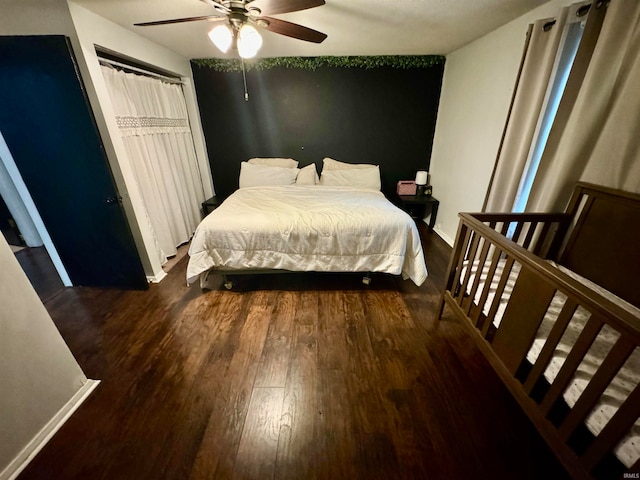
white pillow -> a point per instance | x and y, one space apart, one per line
275 162
262 175
354 177
331 164
308 175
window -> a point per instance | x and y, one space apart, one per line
564 62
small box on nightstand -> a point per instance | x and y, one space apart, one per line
424 191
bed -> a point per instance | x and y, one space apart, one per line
552 301
303 227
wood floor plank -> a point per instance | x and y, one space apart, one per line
389 328
274 364
376 457
256 457
337 445
298 431
37 265
307 308
364 383
332 322
224 427
206 375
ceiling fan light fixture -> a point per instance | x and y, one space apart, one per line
249 41
222 37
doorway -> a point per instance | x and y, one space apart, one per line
22 228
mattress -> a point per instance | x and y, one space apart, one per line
628 450
308 228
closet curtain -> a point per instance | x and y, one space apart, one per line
153 121
600 142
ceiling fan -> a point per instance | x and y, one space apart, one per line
242 16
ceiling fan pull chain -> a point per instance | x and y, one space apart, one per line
244 78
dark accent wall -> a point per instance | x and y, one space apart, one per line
385 116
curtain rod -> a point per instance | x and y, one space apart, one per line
140 70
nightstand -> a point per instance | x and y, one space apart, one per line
420 206
210 205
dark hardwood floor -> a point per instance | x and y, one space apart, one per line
290 376
39 268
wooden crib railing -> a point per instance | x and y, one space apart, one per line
513 247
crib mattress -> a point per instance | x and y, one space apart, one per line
628 450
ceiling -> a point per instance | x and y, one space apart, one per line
354 27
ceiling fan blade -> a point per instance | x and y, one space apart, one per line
273 7
180 20
293 30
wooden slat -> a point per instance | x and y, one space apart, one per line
498 295
476 281
458 272
525 310
571 363
615 429
530 233
540 241
487 287
518 231
466 298
589 397
559 326
453 258
578 226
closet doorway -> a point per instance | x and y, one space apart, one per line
152 117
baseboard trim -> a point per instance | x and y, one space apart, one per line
47 432
444 236
157 278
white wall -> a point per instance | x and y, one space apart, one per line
476 93
40 380
38 375
31 17
91 31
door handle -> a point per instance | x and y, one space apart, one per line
113 200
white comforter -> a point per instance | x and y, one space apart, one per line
308 228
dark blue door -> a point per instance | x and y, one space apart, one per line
48 124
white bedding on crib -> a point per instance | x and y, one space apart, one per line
308 228
628 450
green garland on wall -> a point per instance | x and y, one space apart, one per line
312 63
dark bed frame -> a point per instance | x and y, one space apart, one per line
228 283
597 237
